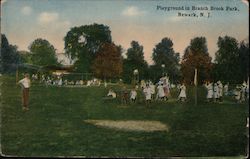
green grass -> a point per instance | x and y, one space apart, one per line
54 125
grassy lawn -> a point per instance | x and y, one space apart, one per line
54 125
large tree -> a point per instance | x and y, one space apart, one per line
108 62
244 60
83 42
9 56
196 56
230 61
43 53
134 60
164 55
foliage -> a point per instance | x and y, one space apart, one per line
26 57
43 53
164 54
244 60
108 62
134 60
9 56
82 43
228 64
196 56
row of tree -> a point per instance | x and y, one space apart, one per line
92 50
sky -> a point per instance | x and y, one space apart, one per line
23 21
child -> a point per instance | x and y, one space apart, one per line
216 92
220 90
152 87
226 89
210 92
182 97
25 84
133 95
111 93
147 92
160 92
237 94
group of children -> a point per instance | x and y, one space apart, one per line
160 91
216 91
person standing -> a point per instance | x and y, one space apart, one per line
152 87
133 95
147 92
226 89
25 84
220 89
216 92
210 93
160 91
182 96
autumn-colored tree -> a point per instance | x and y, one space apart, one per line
196 56
108 61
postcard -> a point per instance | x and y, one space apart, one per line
124 78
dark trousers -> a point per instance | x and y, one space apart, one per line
25 98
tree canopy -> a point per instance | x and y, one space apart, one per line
231 61
82 43
108 61
9 56
135 60
164 55
196 56
43 53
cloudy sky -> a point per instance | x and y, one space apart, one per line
25 20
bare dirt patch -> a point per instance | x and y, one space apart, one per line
130 125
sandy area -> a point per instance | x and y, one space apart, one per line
130 125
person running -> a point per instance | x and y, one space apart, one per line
25 84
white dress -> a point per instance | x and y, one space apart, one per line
209 90
220 93
216 91
160 91
152 87
147 92
133 95
183 92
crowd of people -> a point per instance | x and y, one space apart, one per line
58 80
216 91
160 91
152 92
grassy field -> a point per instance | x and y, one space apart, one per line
54 125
